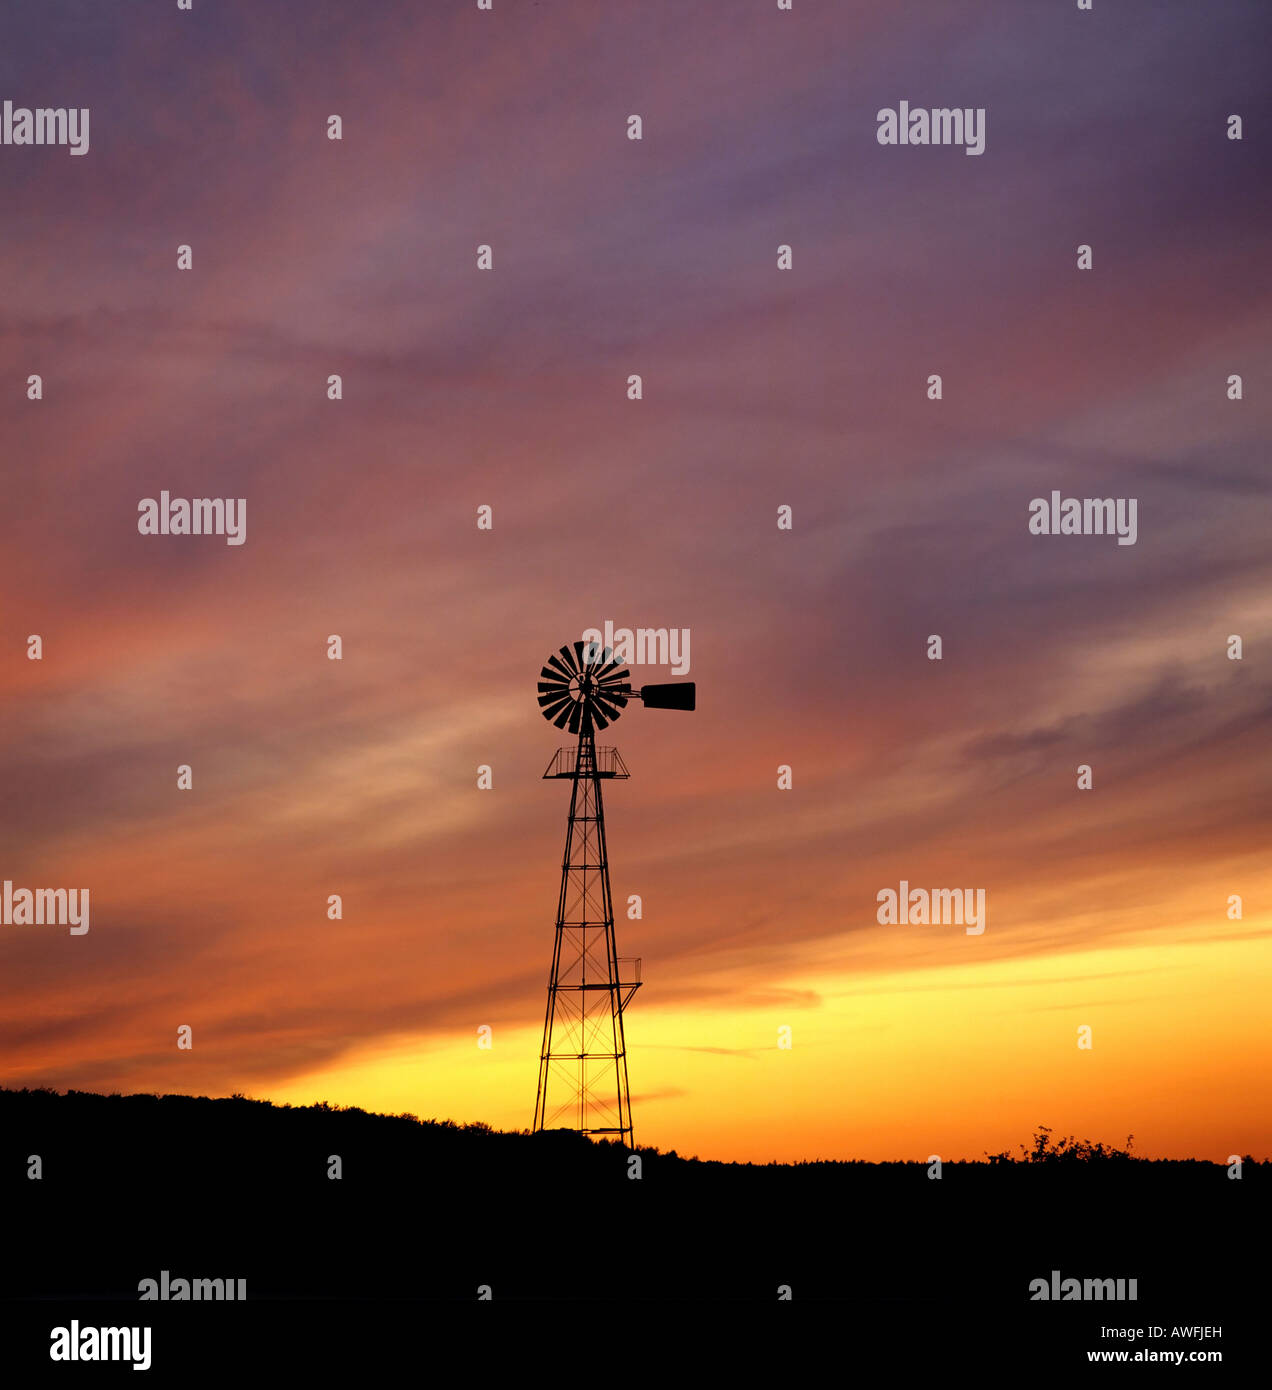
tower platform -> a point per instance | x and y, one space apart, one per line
608 764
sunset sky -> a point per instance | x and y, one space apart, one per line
762 388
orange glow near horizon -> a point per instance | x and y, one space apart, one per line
988 1054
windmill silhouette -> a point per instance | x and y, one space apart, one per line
583 1059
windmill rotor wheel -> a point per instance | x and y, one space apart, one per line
583 687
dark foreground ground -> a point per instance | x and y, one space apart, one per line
432 1215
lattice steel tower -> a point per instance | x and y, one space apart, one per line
583 1060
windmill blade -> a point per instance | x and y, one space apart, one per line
550 712
550 677
599 721
555 665
566 711
610 712
580 648
572 663
549 704
576 717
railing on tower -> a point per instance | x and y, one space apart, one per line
608 763
628 977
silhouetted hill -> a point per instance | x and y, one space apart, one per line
239 1189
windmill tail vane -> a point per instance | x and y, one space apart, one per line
583 1060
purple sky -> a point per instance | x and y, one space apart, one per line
508 388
